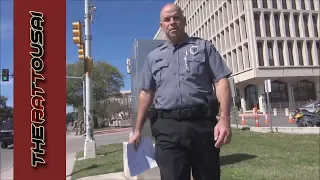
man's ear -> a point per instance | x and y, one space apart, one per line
160 24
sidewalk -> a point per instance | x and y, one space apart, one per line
70 158
113 176
7 174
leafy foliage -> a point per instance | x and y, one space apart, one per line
106 82
70 116
5 111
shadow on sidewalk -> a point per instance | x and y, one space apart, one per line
235 158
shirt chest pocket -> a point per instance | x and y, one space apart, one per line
160 70
197 63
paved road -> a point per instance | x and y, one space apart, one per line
76 143
73 144
6 158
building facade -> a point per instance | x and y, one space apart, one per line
259 40
123 98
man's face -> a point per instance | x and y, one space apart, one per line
172 22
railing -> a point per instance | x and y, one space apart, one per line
291 105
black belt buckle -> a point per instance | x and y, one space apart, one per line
183 113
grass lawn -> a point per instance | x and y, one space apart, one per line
250 156
109 159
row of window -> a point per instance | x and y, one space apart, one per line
285 4
219 12
238 59
228 38
283 53
303 90
293 24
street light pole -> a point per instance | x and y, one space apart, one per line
84 100
89 145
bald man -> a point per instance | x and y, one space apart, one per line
177 82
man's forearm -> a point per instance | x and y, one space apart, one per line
145 100
224 96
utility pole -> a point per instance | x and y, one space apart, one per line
90 144
84 100
83 94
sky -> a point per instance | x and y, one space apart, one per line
116 24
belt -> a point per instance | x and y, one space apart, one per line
184 113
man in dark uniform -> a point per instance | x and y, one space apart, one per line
178 79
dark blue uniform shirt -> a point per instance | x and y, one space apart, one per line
182 76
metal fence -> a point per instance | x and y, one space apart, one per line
291 105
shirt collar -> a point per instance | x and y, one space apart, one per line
187 40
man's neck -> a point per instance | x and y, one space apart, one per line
178 40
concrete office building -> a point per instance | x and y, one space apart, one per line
259 40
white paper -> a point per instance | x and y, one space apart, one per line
141 160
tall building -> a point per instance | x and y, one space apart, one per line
259 40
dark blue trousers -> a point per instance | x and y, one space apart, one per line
185 146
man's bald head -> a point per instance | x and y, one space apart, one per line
170 7
173 22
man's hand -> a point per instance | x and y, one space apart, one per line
222 132
135 139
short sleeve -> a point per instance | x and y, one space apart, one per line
146 80
219 69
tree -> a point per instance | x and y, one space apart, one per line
70 117
106 81
5 111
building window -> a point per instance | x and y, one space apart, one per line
300 53
280 49
312 4
251 96
276 19
286 21
306 30
309 53
290 51
296 22
314 19
254 3
303 4
270 53
304 91
264 4
293 4
279 92
260 53
284 4
274 4
257 24
267 24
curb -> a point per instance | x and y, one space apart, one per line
288 130
70 164
113 130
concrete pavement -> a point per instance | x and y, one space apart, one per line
73 145
6 159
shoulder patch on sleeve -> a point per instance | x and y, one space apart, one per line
213 48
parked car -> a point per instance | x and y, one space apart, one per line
308 119
6 134
312 106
